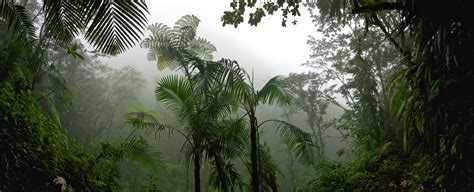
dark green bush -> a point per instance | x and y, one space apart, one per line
378 170
34 151
32 147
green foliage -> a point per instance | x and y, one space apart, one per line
35 151
97 95
434 114
267 169
171 47
17 20
378 170
235 16
90 170
232 178
276 90
297 140
37 84
32 146
313 100
111 27
209 94
176 92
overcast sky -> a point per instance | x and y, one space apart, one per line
269 49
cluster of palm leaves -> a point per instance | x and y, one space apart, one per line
216 104
110 26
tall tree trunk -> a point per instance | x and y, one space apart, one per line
197 175
321 142
220 173
311 119
253 154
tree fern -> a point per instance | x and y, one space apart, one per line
173 47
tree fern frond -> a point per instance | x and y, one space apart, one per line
201 48
185 30
166 60
160 29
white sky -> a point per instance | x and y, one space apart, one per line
269 49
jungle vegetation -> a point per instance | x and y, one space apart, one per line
388 80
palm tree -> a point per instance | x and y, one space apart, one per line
228 140
197 97
276 90
207 82
199 102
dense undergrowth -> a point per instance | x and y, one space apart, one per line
35 151
401 76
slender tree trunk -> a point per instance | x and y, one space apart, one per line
313 130
321 141
292 171
253 154
220 173
197 175
319 124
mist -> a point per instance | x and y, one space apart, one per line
235 96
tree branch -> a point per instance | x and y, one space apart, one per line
377 7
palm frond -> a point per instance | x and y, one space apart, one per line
110 26
268 169
17 19
233 77
229 138
161 30
233 178
141 116
160 47
137 148
116 25
64 19
297 140
161 36
147 126
137 107
276 90
177 93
